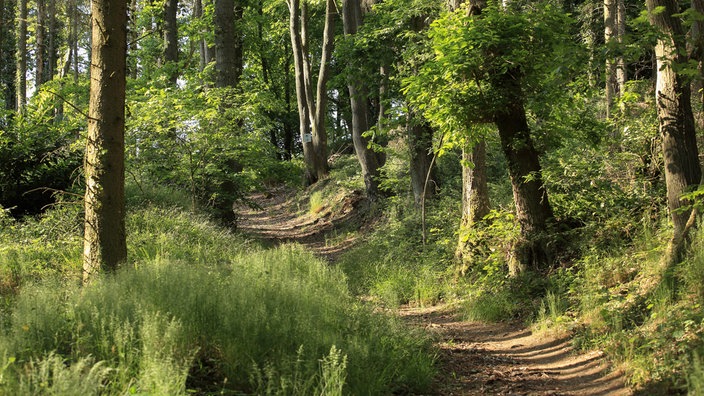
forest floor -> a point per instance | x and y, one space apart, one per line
475 358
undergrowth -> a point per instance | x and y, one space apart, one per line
195 309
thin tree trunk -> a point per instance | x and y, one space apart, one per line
696 52
104 242
610 31
40 50
3 24
420 144
171 40
320 139
368 160
197 14
297 46
288 128
22 55
673 100
621 72
52 54
74 42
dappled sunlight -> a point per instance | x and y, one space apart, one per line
505 358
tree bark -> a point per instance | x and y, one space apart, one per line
621 71
310 99
533 210
171 40
475 199
228 43
104 242
40 50
318 109
368 160
420 145
299 66
52 48
673 100
21 55
610 32
475 192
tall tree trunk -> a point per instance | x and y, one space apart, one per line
52 47
610 31
40 50
202 45
171 40
318 109
696 52
621 71
228 43
369 161
475 192
104 242
288 127
297 45
420 144
315 98
21 55
475 200
533 210
673 100
74 39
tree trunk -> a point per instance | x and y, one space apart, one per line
610 30
228 43
475 199
696 52
314 101
673 100
621 72
318 109
297 46
475 192
74 41
420 145
40 50
52 48
533 210
288 127
197 14
171 40
104 242
22 55
369 161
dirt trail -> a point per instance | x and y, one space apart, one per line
475 358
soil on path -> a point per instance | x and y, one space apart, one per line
474 358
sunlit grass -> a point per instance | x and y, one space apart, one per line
195 308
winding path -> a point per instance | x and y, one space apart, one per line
475 358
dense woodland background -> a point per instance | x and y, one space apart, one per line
522 160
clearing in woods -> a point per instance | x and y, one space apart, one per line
474 358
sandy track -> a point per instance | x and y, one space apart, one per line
474 358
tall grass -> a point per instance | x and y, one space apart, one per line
197 308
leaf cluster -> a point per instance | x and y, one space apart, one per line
464 82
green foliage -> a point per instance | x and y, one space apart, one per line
394 267
461 85
40 152
197 308
212 144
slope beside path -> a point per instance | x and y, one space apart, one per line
474 358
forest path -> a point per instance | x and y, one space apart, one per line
474 358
